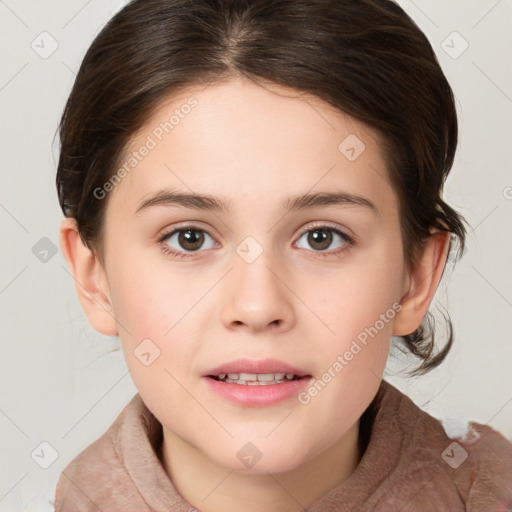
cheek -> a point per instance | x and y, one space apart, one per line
355 296
149 301
359 306
352 364
153 317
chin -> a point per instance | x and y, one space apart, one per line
260 458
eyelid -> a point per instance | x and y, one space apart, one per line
192 225
165 233
327 225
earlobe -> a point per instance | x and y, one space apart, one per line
90 279
423 280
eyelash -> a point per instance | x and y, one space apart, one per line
349 241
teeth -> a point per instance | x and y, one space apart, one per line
253 379
246 376
266 377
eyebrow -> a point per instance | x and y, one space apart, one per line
219 204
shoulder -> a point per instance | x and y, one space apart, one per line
484 457
97 476
475 464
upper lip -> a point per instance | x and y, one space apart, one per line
244 365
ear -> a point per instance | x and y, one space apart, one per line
90 279
422 282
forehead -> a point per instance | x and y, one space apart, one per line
239 139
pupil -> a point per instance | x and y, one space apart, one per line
321 237
191 239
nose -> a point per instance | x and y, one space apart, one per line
258 297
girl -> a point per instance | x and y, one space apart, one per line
252 193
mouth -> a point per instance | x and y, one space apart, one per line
249 372
256 379
256 383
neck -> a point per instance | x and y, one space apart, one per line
209 486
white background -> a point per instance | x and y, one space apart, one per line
63 383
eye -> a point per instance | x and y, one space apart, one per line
321 238
185 240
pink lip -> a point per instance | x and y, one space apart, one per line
258 396
245 365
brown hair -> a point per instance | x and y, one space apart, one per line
365 57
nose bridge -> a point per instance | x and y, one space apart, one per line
253 276
258 296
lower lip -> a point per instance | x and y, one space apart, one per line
258 396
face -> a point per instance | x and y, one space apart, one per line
253 282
